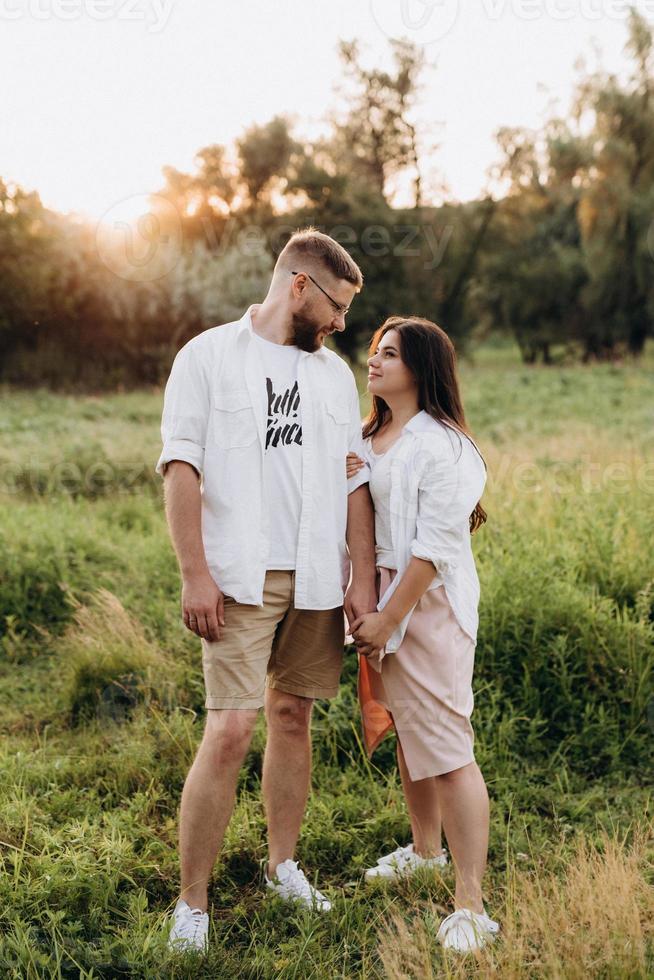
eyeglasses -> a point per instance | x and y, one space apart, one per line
341 310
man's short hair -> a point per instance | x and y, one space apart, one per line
310 246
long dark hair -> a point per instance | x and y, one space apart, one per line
429 354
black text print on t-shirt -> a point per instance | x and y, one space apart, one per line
282 410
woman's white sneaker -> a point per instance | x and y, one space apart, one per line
465 930
404 861
190 928
291 884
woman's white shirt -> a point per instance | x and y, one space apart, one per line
380 491
436 478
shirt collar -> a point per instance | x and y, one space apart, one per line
245 329
422 422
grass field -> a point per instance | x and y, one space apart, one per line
101 707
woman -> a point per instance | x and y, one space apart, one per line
416 653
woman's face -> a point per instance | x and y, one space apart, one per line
388 375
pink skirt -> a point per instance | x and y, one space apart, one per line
424 689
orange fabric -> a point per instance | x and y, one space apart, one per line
426 694
376 721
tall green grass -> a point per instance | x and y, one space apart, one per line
101 701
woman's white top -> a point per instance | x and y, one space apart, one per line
380 491
435 478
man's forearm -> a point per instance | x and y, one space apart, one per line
360 533
184 514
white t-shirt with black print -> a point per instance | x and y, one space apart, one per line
283 456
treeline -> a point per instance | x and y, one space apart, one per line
561 255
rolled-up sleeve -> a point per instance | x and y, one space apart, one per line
443 512
186 409
356 444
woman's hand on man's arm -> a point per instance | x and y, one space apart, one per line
353 464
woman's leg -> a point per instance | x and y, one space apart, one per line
465 809
424 810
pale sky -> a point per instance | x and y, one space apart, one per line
98 95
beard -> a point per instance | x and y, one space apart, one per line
305 332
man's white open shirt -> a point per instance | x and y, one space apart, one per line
214 417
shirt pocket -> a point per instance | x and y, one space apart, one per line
234 423
337 423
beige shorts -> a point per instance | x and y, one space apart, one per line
295 650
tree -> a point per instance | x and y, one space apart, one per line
378 138
615 211
264 153
532 273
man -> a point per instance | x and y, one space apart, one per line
258 418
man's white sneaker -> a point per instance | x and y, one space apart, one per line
291 884
404 861
190 928
465 930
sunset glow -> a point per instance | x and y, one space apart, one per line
98 98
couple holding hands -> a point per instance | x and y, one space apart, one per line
284 513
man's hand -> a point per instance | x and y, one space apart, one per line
203 606
360 598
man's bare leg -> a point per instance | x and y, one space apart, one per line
208 797
286 771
